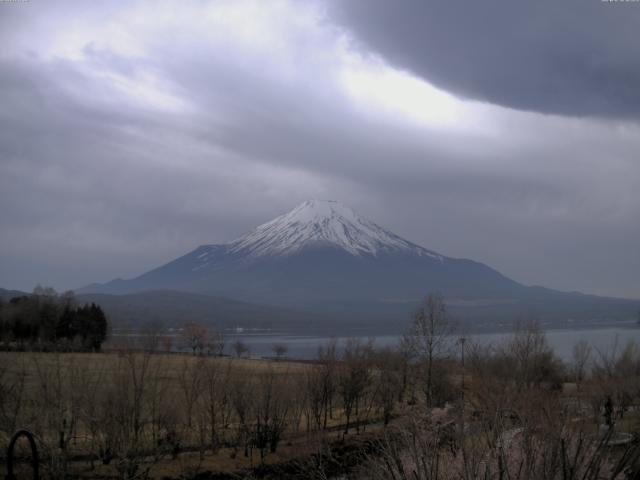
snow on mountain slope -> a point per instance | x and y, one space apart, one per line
322 223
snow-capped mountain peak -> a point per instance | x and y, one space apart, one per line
322 223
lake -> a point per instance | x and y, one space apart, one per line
562 341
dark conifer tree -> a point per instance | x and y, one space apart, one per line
45 317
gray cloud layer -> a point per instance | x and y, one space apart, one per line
127 139
574 57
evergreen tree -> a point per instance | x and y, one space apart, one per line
97 332
46 317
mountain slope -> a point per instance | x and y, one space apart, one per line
173 308
320 250
324 256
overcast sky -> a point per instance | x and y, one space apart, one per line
505 132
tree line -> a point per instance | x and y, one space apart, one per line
46 320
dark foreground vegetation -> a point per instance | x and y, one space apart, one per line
46 321
429 409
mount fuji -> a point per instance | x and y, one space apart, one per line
323 256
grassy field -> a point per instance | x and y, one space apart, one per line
97 363
103 414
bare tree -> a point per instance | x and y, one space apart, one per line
215 343
194 337
531 359
167 343
299 401
270 411
59 397
124 417
581 355
353 379
327 358
240 348
13 378
90 410
190 380
388 381
427 336
242 402
316 396
152 333
404 356
616 375
213 399
279 350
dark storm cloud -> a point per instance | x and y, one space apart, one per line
574 57
128 139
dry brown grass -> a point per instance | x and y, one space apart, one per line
99 362
85 380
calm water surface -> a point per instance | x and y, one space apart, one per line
562 341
